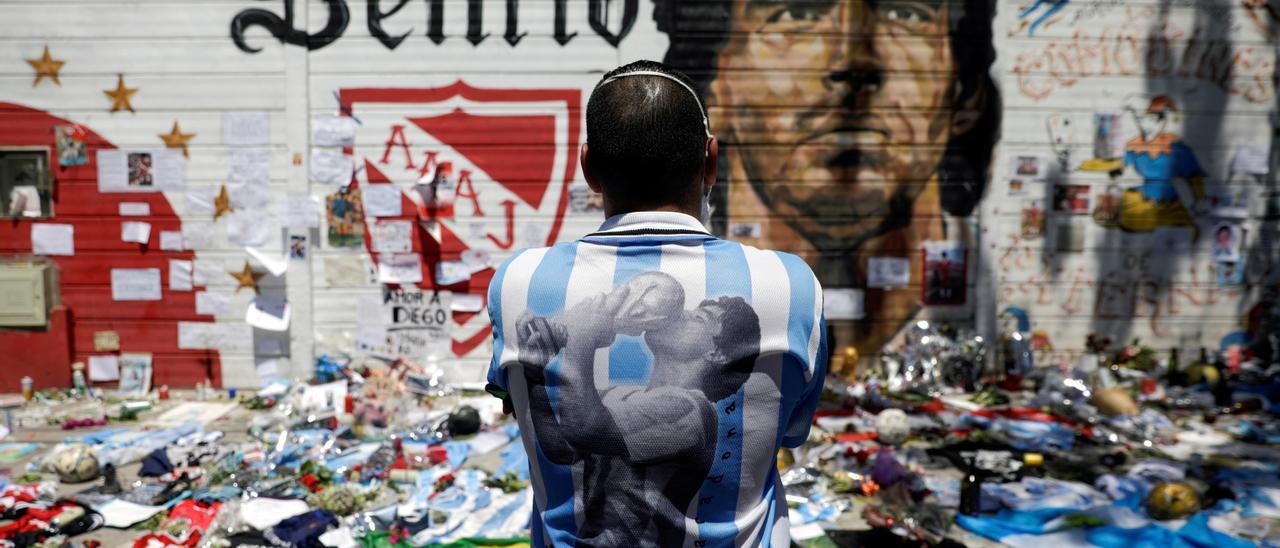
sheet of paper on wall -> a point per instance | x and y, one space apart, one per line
170 169
842 303
230 338
476 259
171 240
415 309
1229 202
392 236
268 314
212 303
381 200
421 344
467 302
299 212
246 228
333 131
330 166
250 195
106 341
888 272
452 272
104 368
53 239
135 209
1251 159
275 264
345 271
246 128
140 170
135 284
399 268
136 232
180 275
113 170
374 340
199 199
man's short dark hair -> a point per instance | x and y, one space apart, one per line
646 137
698 30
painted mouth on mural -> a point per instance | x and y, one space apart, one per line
853 146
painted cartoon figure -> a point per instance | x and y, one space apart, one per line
1160 157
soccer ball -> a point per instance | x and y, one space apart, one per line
892 426
75 463
1172 500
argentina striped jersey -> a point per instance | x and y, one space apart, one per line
655 370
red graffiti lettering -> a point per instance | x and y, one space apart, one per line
467 189
510 208
398 139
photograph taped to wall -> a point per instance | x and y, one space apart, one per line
1031 220
888 272
1108 135
1228 202
1028 165
140 170
1107 207
345 217
1073 199
69 140
1227 240
140 167
297 246
135 373
745 230
1228 273
944 273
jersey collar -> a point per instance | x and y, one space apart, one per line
651 222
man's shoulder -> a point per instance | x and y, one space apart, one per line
792 263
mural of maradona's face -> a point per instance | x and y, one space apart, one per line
838 108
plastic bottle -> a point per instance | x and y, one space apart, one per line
77 378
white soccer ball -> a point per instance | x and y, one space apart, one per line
892 426
75 463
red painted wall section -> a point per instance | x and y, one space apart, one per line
42 354
85 278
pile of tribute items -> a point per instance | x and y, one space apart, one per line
1124 446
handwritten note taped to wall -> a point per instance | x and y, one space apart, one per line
135 284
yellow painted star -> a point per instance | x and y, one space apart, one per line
222 203
120 96
177 139
247 278
46 65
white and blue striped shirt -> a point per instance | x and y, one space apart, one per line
655 370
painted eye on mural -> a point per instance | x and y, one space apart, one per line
800 13
912 15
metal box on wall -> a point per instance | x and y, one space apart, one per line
28 290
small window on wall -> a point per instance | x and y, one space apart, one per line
25 183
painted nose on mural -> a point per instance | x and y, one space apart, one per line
854 64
